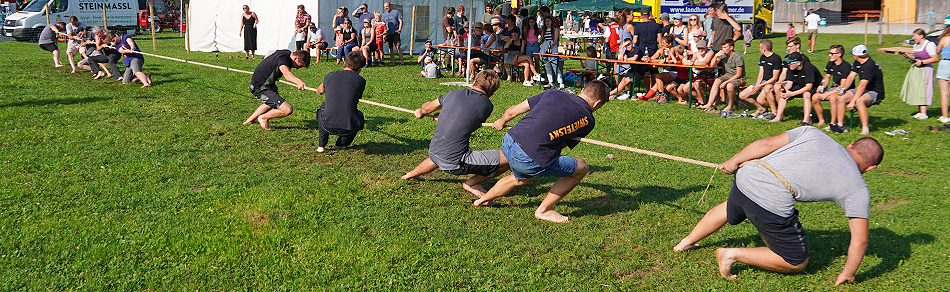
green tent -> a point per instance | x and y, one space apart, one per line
598 5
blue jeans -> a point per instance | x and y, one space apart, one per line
523 167
346 50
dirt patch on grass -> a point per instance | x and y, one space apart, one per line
890 204
258 218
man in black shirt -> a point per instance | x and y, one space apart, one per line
264 84
770 66
802 80
869 91
646 35
835 72
338 114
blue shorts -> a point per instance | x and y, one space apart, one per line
943 69
532 48
523 167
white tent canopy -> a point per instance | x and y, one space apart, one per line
215 23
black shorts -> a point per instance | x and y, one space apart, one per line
393 39
783 235
300 45
51 47
269 97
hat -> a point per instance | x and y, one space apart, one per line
645 11
429 41
478 25
495 21
794 58
664 16
677 15
859 50
427 60
697 32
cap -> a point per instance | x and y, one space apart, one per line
427 60
697 32
677 15
794 58
646 11
429 41
664 16
859 50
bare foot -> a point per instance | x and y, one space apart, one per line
819 124
99 75
551 215
681 102
263 123
865 131
59 65
685 246
146 85
724 256
321 149
486 203
416 178
476 190
74 71
776 119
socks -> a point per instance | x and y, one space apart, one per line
649 94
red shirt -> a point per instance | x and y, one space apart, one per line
614 40
305 18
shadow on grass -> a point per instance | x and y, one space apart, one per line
65 101
405 145
826 246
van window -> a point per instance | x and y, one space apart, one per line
55 7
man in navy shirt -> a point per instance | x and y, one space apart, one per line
533 146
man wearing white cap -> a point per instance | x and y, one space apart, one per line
869 90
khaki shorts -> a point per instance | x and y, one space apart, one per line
812 34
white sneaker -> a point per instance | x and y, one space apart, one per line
943 119
528 83
537 77
921 116
623 97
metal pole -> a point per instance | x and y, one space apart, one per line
151 17
412 35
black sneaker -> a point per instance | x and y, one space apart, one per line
837 129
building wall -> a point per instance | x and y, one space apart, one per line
784 10
941 7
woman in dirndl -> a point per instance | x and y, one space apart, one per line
919 83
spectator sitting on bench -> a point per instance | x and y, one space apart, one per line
868 92
664 55
836 71
588 65
703 56
802 80
316 39
732 79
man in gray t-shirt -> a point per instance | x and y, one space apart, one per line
48 39
463 112
816 168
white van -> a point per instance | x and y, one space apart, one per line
27 24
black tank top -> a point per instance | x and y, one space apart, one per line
248 20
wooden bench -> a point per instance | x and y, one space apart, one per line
512 69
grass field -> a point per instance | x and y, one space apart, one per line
105 186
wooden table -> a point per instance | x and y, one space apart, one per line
690 68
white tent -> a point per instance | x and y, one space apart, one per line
215 23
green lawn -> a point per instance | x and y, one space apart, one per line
105 186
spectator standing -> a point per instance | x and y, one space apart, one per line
723 26
459 18
918 86
943 74
486 17
448 25
303 16
249 22
747 38
380 36
362 13
811 28
679 31
393 20
665 23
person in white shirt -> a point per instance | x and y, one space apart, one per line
811 28
316 39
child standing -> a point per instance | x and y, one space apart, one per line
747 37
790 33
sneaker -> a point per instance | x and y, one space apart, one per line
528 83
744 113
897 132
537 77
944 120
623 97
921 116
768 116
835 128
728 114
663 99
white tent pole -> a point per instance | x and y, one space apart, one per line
471 17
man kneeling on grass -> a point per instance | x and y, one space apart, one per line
264 87
802 164
338 115
533 146
464 112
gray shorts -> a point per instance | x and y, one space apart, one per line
135 66
874 96
269 97
484 163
